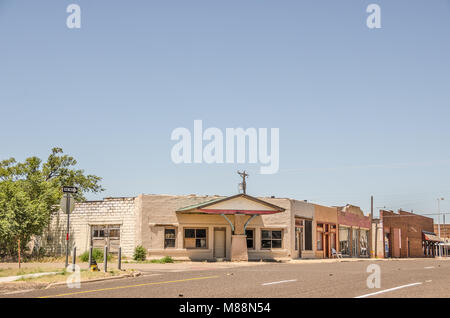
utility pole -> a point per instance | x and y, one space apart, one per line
244 175
439 216
372 240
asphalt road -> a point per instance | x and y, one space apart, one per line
399 278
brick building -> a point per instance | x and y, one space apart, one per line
354 229
406 234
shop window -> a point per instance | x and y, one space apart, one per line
169 238
271 239
250 238
319 241
308 235
355 243
195 238
344 240
363 243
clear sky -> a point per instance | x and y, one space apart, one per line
361 111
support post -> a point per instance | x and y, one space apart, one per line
119 266
90 257
105 259
68 223
74 258
231 223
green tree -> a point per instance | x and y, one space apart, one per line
31 190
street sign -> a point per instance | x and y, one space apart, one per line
67 205
70 189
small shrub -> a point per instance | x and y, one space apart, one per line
140 254
167 259
97 255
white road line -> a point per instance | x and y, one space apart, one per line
388 290
429 267
279 282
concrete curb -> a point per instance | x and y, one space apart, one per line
95 280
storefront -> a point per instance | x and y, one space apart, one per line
408 235
353 231
326 230
431 244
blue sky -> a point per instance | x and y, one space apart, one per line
361 111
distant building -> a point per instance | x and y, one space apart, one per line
406 234
354 229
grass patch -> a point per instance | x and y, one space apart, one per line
164 260
23 271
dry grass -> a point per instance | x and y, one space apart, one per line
4 272
84 273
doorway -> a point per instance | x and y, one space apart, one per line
219 243
299 241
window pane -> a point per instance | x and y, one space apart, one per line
308 235
276 234
200 243
276 243
189 233
319 241
266 244
249 243
265 234
169 243
200 233
169 233
249 233
114 233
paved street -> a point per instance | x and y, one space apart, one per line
399 278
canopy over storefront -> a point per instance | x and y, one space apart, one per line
236 204
432 237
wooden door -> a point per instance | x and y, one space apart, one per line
219 243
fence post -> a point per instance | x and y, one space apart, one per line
105 258
120 258
74 258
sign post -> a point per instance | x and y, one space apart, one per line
67 205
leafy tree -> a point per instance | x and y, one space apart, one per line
31 190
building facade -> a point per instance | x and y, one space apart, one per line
354 230
406 234
190 227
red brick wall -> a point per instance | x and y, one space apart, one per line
411 226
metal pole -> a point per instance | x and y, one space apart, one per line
439 217
90 257
120 258
74 258
67 234
105 258
371 229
